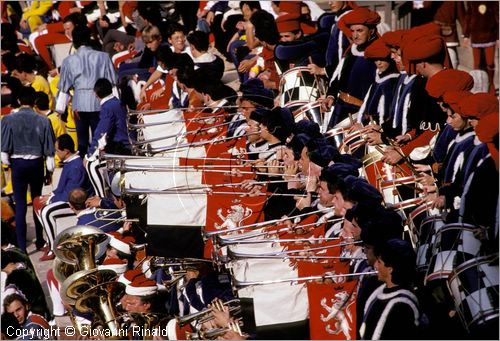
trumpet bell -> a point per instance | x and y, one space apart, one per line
79 245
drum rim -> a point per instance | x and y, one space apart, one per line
427 205
398 181
465 265
409 202
296 102
307 106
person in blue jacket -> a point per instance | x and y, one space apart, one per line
55 205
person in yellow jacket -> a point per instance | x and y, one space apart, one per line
25 71
32 16
42 108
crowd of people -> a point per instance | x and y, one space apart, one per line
355 161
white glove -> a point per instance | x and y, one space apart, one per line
5 159
51 164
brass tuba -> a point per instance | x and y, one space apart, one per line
80 245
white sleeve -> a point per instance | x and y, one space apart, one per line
51 164
5 159
62 102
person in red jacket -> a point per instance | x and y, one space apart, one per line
481 33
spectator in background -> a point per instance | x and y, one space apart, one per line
42 108
481 33
214 65
55 33
80 72
26 72
27 139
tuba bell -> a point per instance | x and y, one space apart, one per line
80 245
101 300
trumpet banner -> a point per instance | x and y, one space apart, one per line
332 310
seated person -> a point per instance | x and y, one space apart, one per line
49 207
17 304
90 216
199 43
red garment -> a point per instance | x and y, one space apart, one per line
43 42
481 24
269 65
447 14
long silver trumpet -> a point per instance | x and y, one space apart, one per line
223 242
132 126
234 240
241 284
290 253
204 315
262 224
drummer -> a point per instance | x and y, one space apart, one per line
355 74
376 106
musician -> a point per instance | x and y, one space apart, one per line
89 215
338 42
374 235
119 247
18 272
392 310
479 201
255 143
141 295
50 207
424 53
293 49
354 74
331 176
458 151
377 103
443 81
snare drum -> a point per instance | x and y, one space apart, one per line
311 112
454 244
426 234
391 189
298 84
474 288
352 142
294 106
337 136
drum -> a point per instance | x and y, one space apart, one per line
474 288
426 235
392 189
296 105
337 136
310 111
454 244
298 84
352 142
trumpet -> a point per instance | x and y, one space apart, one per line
106 213
204 315
213 333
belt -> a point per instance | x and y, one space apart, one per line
350 99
